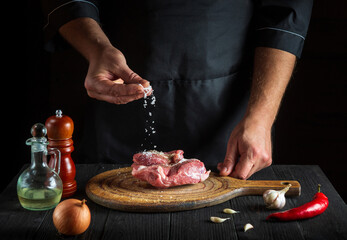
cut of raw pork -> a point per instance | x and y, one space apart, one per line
168 169
149 158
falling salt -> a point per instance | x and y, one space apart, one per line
153 100
148 103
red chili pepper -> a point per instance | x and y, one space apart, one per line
317 206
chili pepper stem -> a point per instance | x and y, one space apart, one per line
319 187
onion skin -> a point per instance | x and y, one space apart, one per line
71 217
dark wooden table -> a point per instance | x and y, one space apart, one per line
18 223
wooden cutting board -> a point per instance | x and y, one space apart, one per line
118 189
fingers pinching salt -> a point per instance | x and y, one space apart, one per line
147 90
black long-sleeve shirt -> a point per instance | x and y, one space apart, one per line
279 24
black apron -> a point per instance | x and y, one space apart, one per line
196 55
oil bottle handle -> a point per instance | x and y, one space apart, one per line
57 156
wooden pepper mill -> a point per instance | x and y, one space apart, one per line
59 132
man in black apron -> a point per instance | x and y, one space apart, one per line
218 69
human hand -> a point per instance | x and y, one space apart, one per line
248 150
110 79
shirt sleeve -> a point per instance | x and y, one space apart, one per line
58 12
282 24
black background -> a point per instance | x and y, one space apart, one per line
311 127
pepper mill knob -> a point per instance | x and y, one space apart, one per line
59 132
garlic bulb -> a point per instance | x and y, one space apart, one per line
275 199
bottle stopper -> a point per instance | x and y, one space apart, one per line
38 130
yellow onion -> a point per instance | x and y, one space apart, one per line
71 217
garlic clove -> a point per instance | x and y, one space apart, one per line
218 219
278 203
230 211
247 227
270 198
270 195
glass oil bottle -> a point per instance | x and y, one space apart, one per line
39 187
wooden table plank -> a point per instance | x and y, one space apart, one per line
252 210
18 223
196 224
332 223
124 225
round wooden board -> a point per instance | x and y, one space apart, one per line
118 189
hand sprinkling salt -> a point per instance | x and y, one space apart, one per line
146 90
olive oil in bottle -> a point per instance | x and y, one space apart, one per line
39 199
39 187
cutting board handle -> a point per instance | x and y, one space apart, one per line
258 187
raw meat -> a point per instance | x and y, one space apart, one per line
168 169
149 158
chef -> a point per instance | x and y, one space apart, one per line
218 68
